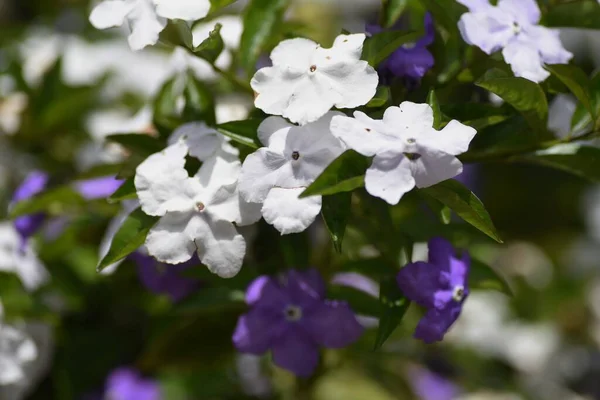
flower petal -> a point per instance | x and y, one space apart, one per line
360 133
302 283
409 117
221 248
420 281
294 53
255 331
171 240
389 177
434 325
273 132
525 60
201 140
110 13
187 10
434 167
288 213
525 11
357 281
265 292
295 351
261 171
490 30
333 325
146 26
549 45
454 139
227 204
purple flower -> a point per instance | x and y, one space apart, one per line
128 384
440 285
292 318
430 386
97 188
166 279
512 27
412 60
28 225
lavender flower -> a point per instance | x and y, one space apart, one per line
128 384
97 188
431 386
440 285
292 318
28 225
410 61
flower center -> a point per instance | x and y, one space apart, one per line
411 140
313 68
409 46
458 294
292 313
200 206
412 156
295 155
516 28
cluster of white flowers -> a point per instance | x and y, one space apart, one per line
16 351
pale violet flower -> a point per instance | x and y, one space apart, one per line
307 80
16 351
147 18
20 258
201 140
408 151
512 26
197 214
293 158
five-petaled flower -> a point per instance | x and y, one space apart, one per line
196 213
292 318
512 27
440 285
275 175
408 151
147 18
307 80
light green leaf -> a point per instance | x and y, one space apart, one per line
435 106
177 33
212 47
216 5
381 98
344 174
392 9
380 46
393 306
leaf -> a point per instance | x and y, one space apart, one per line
344 174
446 13
211 48
129 237
442 211
216 5
577 82
392 9
465 204
335 211
582 119
210 299
138 143
244 132
126 191
393 306
435 106
382 96
199 101
380 46
361 303
55 201
177 33
583 161
260 22
526 96
576 14
482 276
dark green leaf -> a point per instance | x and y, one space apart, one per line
392 9
380 46
465 204
577 82
361 303
199 101
575 14
393 306
125 192
209 299
435 105
482 276
212 47
581 117
260 22
524 95
129 237
446 13
583 161
55 201
177 33
442 211
382 96
138 143
344 174
244 132
335 211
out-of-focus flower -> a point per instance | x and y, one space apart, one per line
28 225
306 80
440 285
202 141
97 188
128 384
275 175
292 318
12 105
428 385
253 380
408 151
16 351
411 60
512 26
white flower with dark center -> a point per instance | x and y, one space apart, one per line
408 151
293 158
147 18
196 213
307 80
16 351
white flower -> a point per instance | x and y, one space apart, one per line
147 18
275 175
197 213
307 80
201 140
16 350
20 259
408 151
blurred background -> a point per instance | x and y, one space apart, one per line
65 86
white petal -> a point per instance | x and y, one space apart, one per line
163 184
361 133
110 13
410 119
201 140
288 213
295 53
223 168
389 177
272 132
454 139
260 172
171 240
30 270
549 45
187 10
10 371
490 31
146 26
226 204
222 249
434 167
525 11
349 45
525 61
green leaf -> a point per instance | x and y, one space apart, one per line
465 204
244 132
177 33
582 119
380 46
138 143
336 210
446 13
526 96
210 299
212 47
381 98
435 105
393 306
575 14
482 276
199 101
577 82
344 174
128 238
125 192
583 161
442 211
216 5
392 9
260 22
361 303
55 201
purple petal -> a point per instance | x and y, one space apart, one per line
434 325
33 184
296 352
419 282
256 330
430 386
413 63
356 281
429 32
308 282
162 278
98 188
333 325
28 225
265 292
127 384
459 270
525 11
